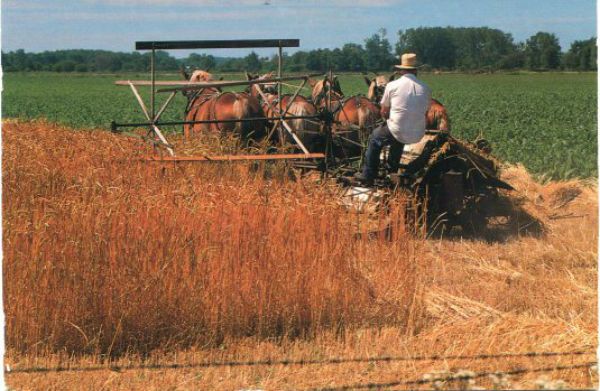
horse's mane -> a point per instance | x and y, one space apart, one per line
200 75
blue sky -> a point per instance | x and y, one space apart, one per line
37 25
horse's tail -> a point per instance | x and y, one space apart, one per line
300 124
444 121
190 115
307 129
437 117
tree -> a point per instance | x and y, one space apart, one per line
433 46
163 61
378 52
542 51
581 56
252 62
354 56
200 61
296 62
317 60
20 60
464 48
514 60
65 66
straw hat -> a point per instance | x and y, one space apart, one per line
407 61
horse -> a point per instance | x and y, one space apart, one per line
211 104
354 117
377 86
308 130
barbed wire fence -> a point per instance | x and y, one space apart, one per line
454 378
302 362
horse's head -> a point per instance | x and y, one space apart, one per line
199 76
267 88
377 86
321 89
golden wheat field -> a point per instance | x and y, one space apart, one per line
147 276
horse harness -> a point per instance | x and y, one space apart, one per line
211 98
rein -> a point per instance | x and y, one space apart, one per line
194 101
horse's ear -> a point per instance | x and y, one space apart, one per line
368 81
312 82
336 84
248 77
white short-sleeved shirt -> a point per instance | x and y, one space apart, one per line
409 99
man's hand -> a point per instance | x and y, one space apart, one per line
385 112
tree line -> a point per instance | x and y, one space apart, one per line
438 48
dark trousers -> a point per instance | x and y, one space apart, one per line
381 137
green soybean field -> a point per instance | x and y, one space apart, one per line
545 121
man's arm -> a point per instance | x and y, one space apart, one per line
385 112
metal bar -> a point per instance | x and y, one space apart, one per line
270 105
140 101
279 66
233 158
329 142
330 89
283 123
199 86
216 83
216 121
295 137
288 105
217 44
295 86
164 106
163 139
153 80
294 97
152 125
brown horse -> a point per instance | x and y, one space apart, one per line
354 117
210 104
321 88
377 86
308 130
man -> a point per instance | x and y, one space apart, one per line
404 105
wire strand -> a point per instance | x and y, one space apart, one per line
454 378
294 362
